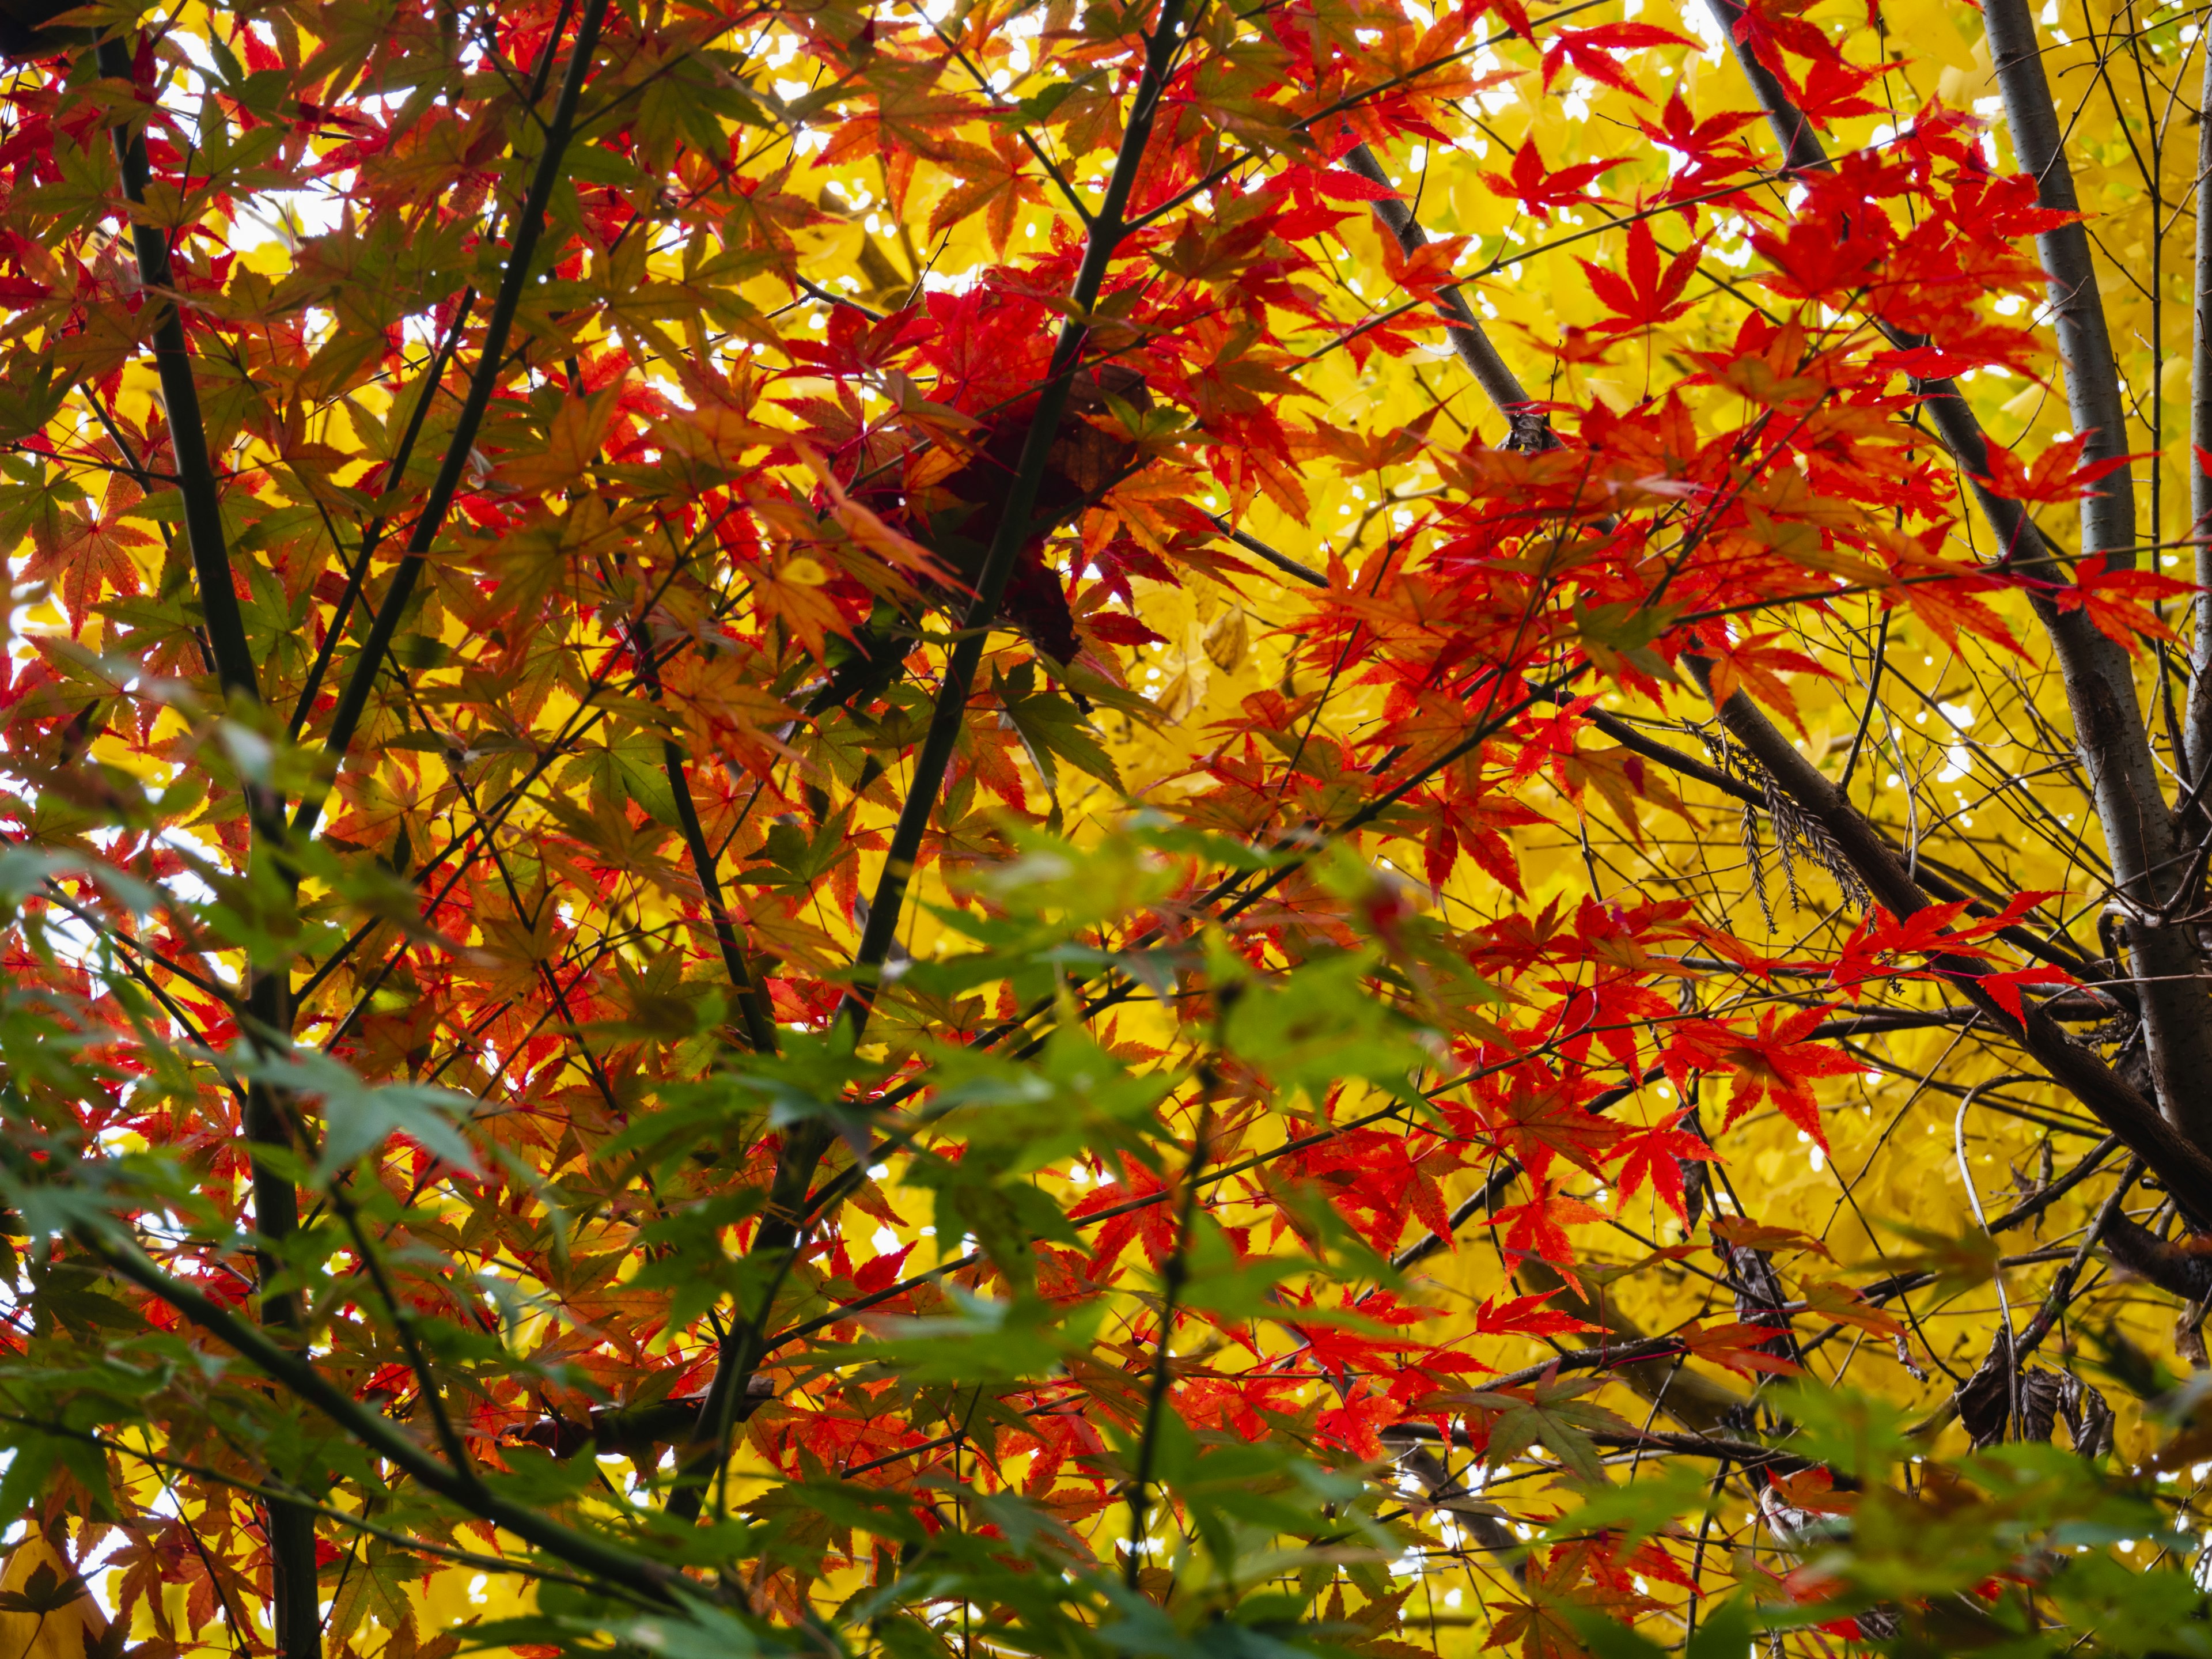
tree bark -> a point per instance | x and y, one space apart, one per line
294 1609
2110 732
2197 736
2148 865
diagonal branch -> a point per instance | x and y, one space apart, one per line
2110 733
491 360
744 1344
1528 427
2178 1160
385 1439
180 406
2176 1157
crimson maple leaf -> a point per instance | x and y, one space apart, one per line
2111 599
1831 88
2006 987
1780 1065
1536 1124
1539 189
2058 474
1699 141
1588 51
1646 296
1539 1228
84 552
1525 1316
1871 951
1752 665
1654 1156
1510 13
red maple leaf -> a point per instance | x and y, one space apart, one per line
1831 88
1780 1065
2006 987
1736 1346
2111 598
1539 1228
1588 51
1427 268
1655 1155
1646 296
1699 141
2058 474
1539 189
1525 1316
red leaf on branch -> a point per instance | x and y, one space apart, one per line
1539 189
2058 474
1527 1315
1655 1156
2111 599
1780 1065
1589 50
1646 296
1539 1228
1738 1347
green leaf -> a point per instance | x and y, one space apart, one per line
359 1117
1052 728
1550 1413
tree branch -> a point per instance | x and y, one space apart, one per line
294 1612
180 406
2178 1160
491 362
2110 733
1526 427
2197 733
2109 727
384 1438
743 1346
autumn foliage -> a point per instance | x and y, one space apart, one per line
1096 829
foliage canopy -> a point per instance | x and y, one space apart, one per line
1094 830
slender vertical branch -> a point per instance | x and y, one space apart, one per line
374 534
2198 733
753 1008
1106 232
752 1002
296 1612
2085 345
1175 1273
2109 727
529 225
180 406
